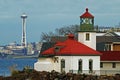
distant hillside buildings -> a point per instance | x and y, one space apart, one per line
14 48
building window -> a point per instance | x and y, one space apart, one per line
80 66
107 47
87 36
62 65
101 65
90 66
113 65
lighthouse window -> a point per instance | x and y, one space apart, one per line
87 36
62 65
90 65
80 65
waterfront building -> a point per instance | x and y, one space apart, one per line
69 56
95 52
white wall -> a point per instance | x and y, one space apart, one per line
107 68
71 63
44 64
91 43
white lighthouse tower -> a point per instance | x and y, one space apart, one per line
87 34
23 41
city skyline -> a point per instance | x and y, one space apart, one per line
45 16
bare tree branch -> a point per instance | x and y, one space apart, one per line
60 32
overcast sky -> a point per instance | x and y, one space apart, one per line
47 15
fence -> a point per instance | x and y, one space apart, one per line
96 72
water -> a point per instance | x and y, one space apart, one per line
19 64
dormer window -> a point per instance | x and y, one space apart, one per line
57 48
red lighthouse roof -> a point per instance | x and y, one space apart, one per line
70 47
86 14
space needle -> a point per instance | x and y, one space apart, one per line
23 41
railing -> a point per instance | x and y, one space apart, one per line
109 72
96 72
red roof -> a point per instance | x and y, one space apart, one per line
71 47
86 14
110 56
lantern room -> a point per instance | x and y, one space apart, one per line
87 21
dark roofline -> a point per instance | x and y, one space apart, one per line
70 55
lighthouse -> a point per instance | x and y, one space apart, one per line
87 34
23 41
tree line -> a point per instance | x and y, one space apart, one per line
62 31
